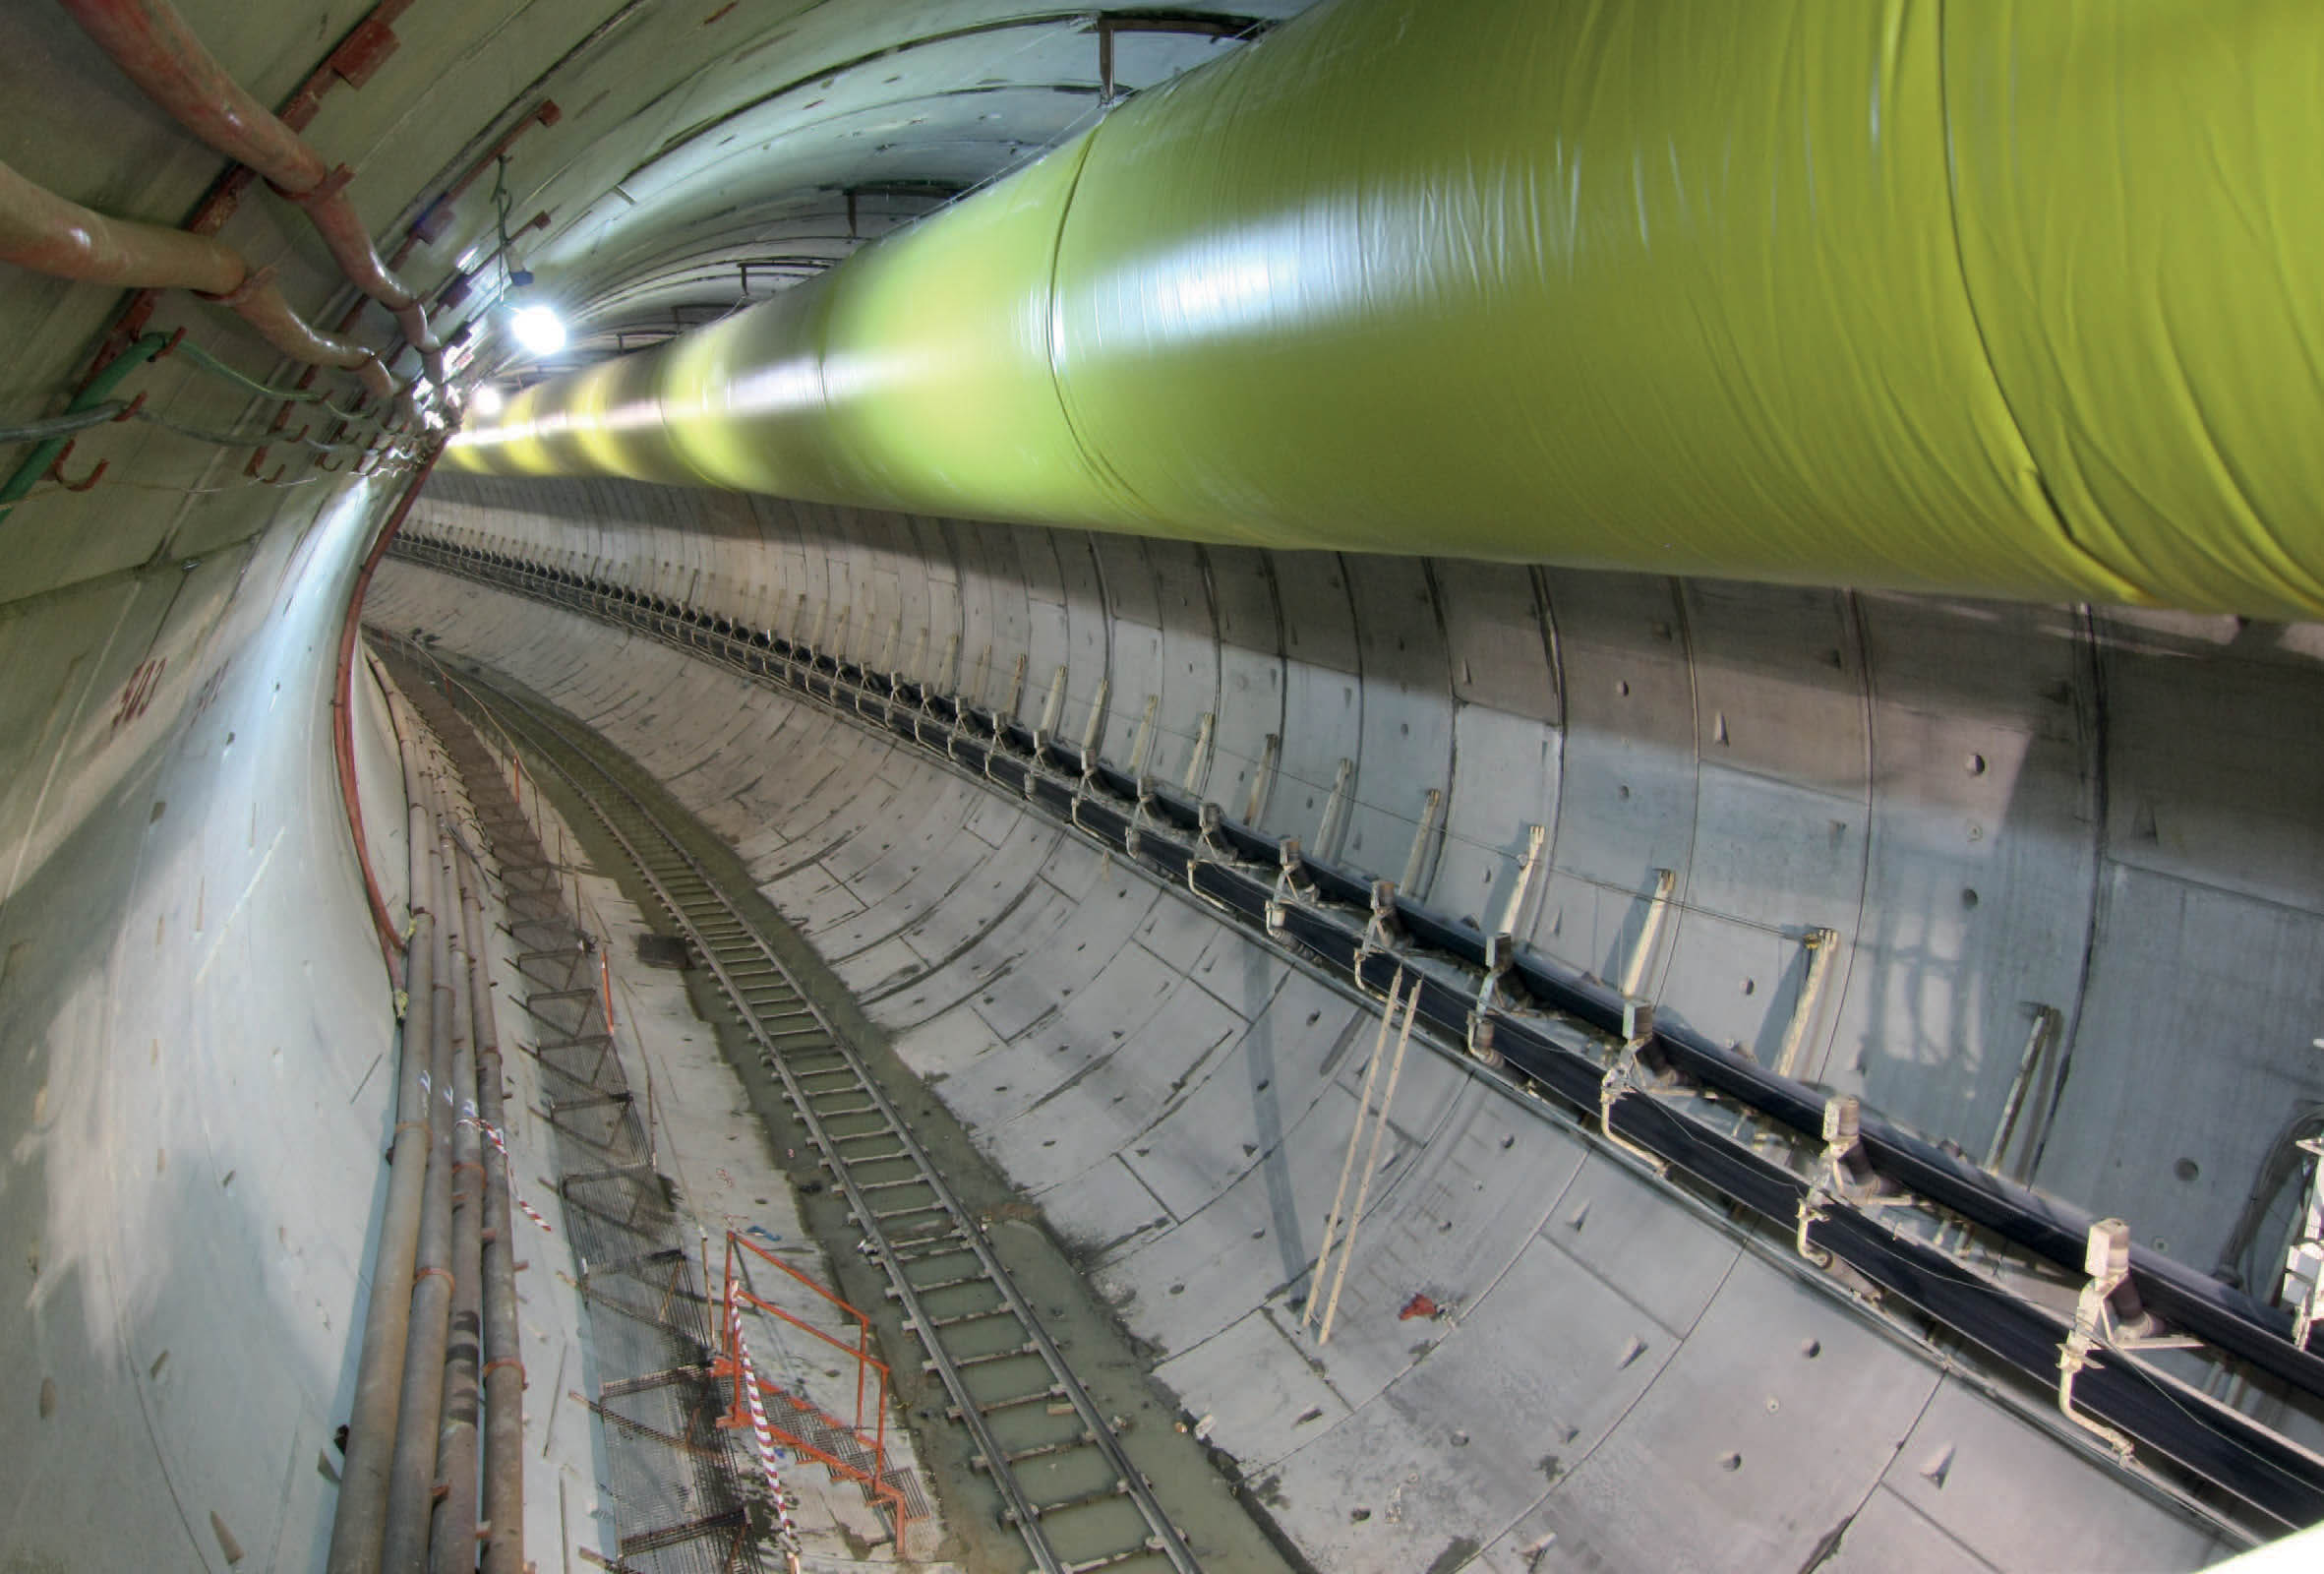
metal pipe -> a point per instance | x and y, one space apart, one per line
411 1481
46 234
451 1545
342 731
358 1528
504 1367
151 44
260 304
349 64
155 47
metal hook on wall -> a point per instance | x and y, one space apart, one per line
56 472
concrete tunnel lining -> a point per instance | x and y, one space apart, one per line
798 810
2106 813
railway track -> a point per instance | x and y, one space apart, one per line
1065 1482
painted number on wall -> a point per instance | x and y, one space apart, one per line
138 692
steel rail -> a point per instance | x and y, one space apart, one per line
1165 1538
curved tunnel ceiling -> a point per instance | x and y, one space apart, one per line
858 132
2100 818
1774 293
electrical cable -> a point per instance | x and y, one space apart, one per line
502 201
100 386
249 440
64 425
303 395
2283 1162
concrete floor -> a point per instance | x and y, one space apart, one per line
709 1140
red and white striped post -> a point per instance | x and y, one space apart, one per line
747 1376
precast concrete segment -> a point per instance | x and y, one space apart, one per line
1765 292
1215 1234
1992 811
200 1075
1225 864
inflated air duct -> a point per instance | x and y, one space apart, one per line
2002 299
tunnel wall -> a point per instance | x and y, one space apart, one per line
2120 793
194 1015
1781 293
1990 806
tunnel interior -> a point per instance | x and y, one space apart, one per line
1762 561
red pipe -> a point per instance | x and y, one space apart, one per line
42 231
152 42
342 729
357 56
156 48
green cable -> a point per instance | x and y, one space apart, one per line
303 395
63 425
98 392
90 408
252 440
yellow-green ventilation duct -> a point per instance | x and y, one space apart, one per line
2012 299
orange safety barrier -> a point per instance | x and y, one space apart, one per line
727 1364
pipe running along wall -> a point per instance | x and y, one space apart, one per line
42 231
155 48
1998 300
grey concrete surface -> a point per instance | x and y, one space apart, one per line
1620 1382
1994 809
195 1031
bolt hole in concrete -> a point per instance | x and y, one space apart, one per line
1976 765
1969 897
1750 986
1811 1348
1730 1461
1622 687
2186 1168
